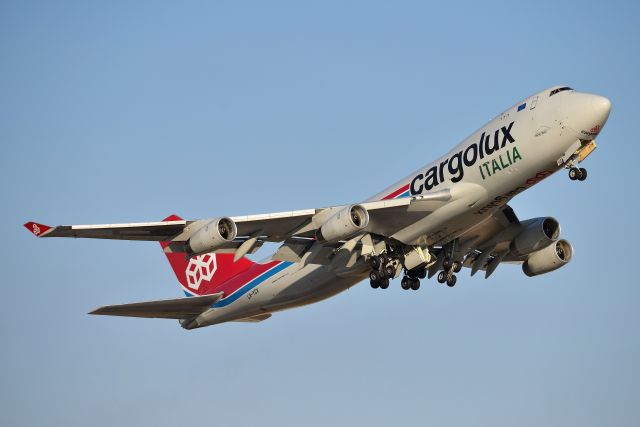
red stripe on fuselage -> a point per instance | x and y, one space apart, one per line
397 192
239 280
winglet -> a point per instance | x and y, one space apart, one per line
38 230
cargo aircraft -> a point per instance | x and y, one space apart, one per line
450 214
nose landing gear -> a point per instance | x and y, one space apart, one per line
579 174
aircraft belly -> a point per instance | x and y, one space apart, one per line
310 284
428 230
295 286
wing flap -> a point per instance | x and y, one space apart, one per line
181 308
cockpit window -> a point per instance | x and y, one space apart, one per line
560 89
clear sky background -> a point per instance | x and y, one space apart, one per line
130 111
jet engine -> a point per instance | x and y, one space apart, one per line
538 234
548 259
212 236
344 224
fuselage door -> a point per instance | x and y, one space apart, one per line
534 102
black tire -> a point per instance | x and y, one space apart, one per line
442 277
383 258
420 273
415 284
446 264
375 276
574 173
375 263
374 284
405 283
457 266
390 271
451 280
384 283
583 174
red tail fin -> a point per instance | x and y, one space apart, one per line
203 274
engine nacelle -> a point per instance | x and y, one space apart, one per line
212 236
540 233
548 259
344 224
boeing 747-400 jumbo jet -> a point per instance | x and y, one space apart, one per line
450 214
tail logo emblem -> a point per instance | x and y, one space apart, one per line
200 269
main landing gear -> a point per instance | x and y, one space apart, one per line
387 265
579 174
384 268
377 280
449 266
411 279
447 275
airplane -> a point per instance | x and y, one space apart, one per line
451 214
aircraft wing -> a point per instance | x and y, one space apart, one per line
181 308
273 227
154 231
486 242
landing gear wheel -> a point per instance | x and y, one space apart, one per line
415 284
405 283
374 284
574 173
442 277
420 273
389 271
375 263
451 281
384 259
384 283
375 276
446 264
457 266
583 174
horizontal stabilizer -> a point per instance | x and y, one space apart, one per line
181 308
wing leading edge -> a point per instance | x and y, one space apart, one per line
149 231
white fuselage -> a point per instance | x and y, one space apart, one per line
521 146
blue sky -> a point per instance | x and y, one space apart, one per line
130 111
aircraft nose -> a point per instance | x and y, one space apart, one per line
586 113
601 107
